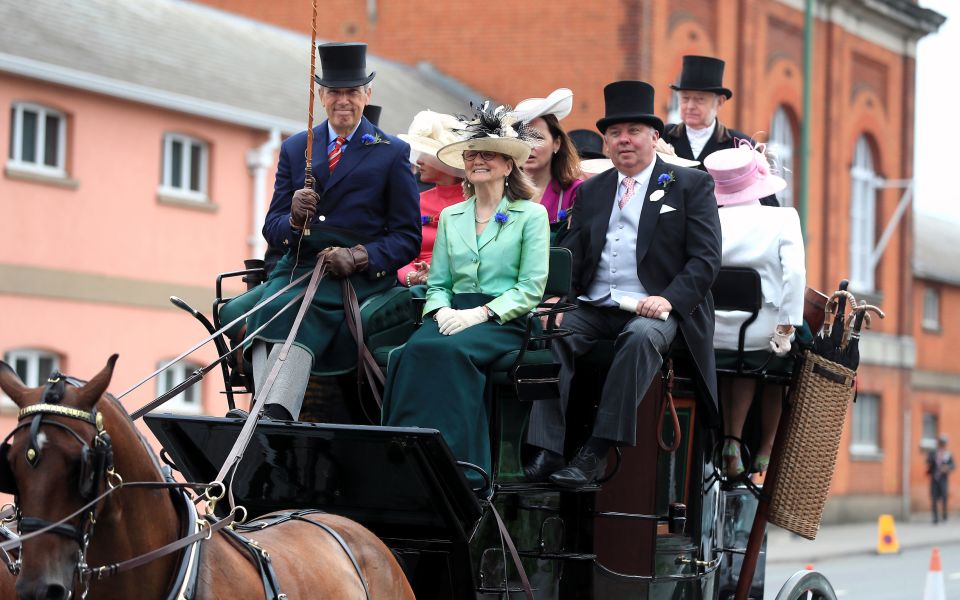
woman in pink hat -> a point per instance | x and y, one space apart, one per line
768 240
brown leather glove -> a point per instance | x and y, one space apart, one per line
344 262
303 207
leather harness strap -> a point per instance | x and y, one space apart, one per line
505 536
300 515
367 367
666 401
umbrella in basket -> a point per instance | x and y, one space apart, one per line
830 341
850 355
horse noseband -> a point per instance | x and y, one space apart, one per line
95 461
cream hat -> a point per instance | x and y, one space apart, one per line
559 104
429 132
494 130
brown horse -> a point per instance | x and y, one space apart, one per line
308 561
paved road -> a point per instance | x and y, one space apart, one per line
871 577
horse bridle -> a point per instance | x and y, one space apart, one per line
96 463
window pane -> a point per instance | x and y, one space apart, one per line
28 148
13 128
195 163
176 164
46 368
21 366
52 135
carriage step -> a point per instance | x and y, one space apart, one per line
557 555
499 591
523 488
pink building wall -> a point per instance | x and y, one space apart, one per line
112 224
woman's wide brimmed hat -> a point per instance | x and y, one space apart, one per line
629 102
702 74
742 174
343 65
429 132
559 104
491 130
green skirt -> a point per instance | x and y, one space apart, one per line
323 332
437 381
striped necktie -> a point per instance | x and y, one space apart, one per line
334 157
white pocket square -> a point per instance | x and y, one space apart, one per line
656 195
666 208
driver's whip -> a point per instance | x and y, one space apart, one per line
308 154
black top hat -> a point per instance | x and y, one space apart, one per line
629 102
589 144
372 113
343 65
702 74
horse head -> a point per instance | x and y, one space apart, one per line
55 462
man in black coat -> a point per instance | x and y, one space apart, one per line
645 238
939 466
700 133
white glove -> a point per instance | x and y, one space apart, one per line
444 315
780 342
462 319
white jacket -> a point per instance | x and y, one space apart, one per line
767 239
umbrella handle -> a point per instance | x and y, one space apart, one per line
829 312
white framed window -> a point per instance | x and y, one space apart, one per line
189 401
866 426
781 147
32 366
863 215
931 309
184 172
930 431
38 138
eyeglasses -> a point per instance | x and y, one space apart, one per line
471 155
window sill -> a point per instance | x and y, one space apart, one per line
874 297
866 454
171 197
932 328
24 172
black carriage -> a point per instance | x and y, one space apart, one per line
663 523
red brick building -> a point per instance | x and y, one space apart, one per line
861 131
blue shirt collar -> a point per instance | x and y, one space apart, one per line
332 135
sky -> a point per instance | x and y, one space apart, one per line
938 95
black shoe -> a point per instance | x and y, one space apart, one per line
237 413
543 464
585 468
277 412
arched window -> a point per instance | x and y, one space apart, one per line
189 401
781 149
863 208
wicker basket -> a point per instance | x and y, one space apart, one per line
818 403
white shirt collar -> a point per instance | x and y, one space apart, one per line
701 133
642 177
332 135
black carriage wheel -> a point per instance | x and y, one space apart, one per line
802 582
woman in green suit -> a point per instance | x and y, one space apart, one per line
489 268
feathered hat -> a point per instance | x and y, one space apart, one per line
492 130
429 132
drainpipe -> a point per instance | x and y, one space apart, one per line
260 159
805 122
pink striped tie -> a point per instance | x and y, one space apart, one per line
334 157
628 183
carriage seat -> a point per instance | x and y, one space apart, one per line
739 289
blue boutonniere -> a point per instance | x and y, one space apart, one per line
664 181
501 219
373 140
425 219
562 215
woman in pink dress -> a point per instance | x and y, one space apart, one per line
554 165
429 132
